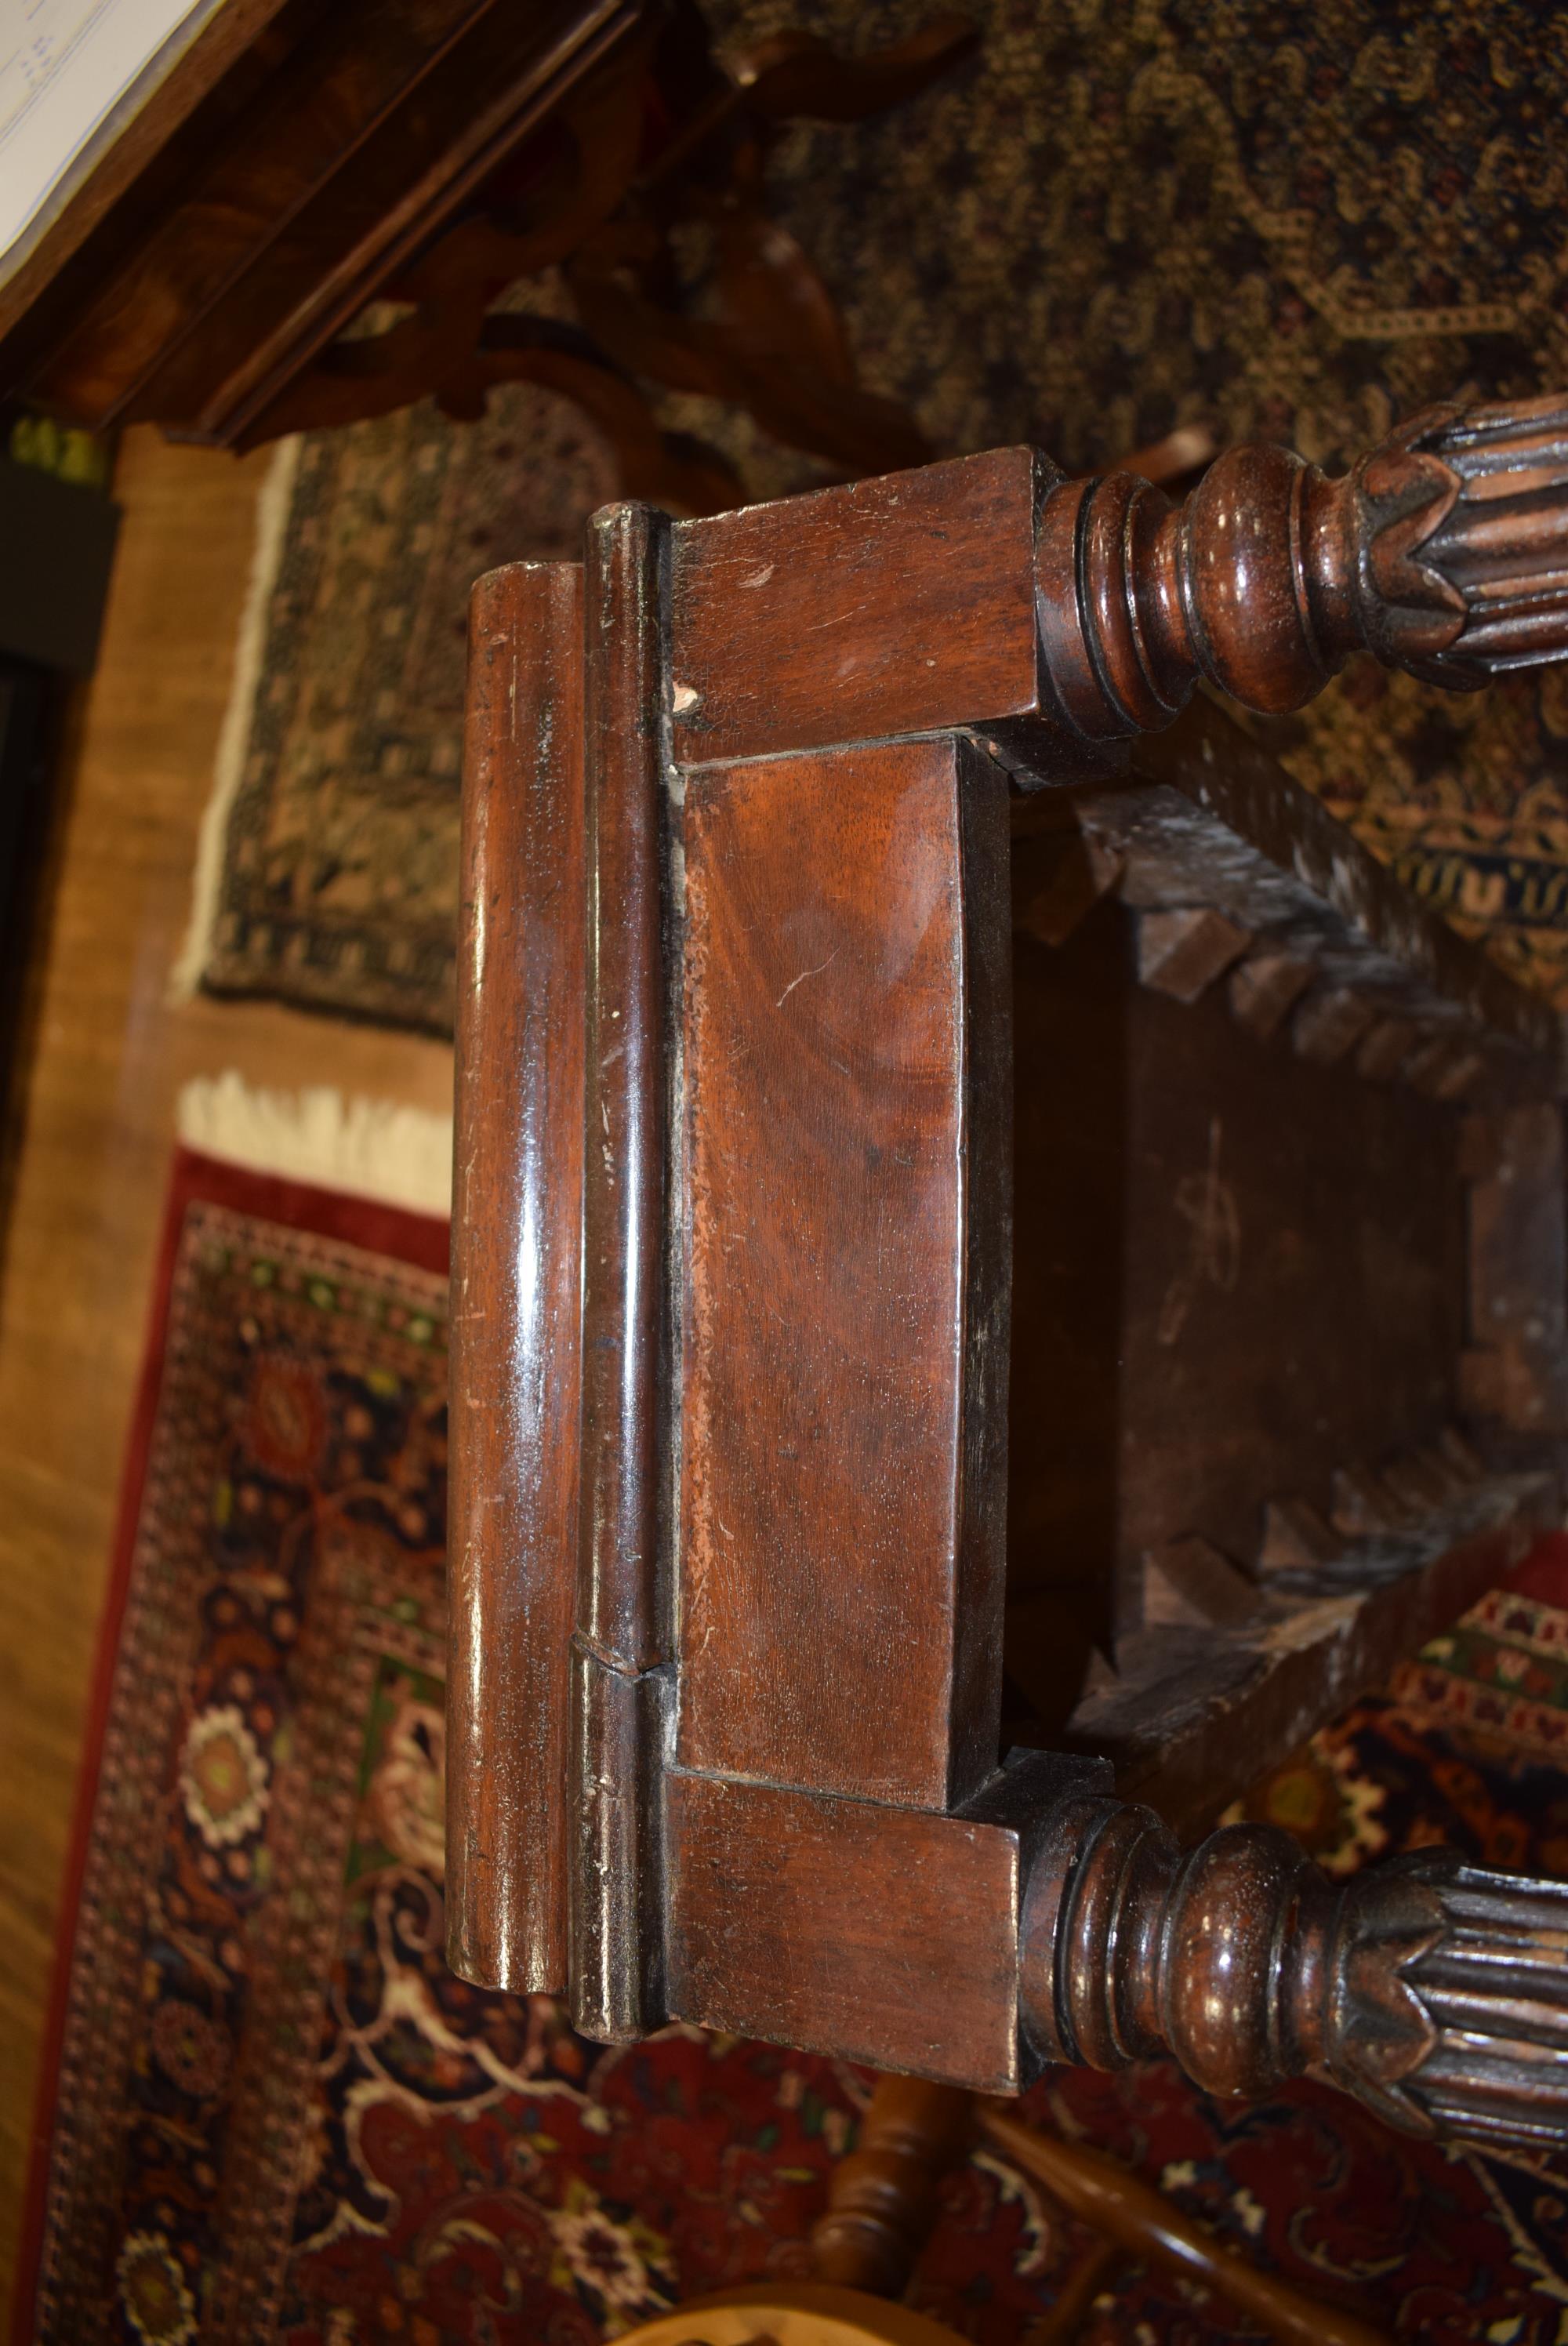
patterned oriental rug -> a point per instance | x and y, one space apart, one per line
1300 220
271 2114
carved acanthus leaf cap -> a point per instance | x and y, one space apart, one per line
1451 1999
1460 518
1444 550
1434 1992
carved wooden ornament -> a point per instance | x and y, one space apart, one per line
1434 1992
1444 551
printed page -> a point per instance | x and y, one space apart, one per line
64 65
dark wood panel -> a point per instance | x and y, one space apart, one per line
1515 1372
338 249
879 1934
846 1203
516 1207
1234 1271
365 128
1238 1282
894 605
289 127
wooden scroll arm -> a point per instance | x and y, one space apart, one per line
1444 551
1435 1992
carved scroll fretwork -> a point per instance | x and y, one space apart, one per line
1443 551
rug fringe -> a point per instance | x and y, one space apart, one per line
375 1148
273 504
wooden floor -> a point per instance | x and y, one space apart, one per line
110 1055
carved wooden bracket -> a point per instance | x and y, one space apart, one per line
1444 551
1434 1992
661 136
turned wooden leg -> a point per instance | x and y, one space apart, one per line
883 2198
1434 1992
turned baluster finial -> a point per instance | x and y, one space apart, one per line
1435 1992
1443 551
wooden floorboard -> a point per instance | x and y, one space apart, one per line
110 1056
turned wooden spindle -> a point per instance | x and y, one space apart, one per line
1435 1992
881 2201
1443 551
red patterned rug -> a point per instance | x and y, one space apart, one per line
271 2114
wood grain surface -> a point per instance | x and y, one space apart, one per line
516 1282
468 101
893 605
1235 1310
132 136
881 1934
847 1152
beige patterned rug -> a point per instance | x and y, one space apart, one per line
1300 220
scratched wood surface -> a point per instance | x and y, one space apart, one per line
1237 1303
878 1933
891 606
846 1154
1234 1271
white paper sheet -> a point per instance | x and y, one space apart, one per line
64 65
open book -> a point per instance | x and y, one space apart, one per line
72 73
